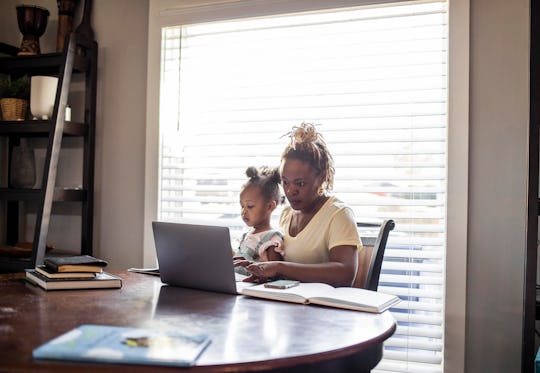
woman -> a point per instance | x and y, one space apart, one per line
320 235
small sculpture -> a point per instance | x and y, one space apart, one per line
32 21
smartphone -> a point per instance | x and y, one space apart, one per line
281 284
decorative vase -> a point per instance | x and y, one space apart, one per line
42 96
13 108
32 21
23 168
66 11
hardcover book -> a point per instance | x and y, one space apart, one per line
101 280
114 344
326 295
77 263
46 271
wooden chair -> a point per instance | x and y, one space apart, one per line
370 259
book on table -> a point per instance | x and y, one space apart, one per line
46 271
114 344
77 263
145 271
326 295
102 280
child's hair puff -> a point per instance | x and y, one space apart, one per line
267 179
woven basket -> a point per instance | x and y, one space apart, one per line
14 108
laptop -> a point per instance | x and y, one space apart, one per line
196 256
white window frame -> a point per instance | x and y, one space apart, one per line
164 13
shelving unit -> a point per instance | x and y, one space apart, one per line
79 57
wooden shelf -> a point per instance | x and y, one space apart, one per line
59 195
80 56
42 64
39 128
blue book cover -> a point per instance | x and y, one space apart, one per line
537 362
114 344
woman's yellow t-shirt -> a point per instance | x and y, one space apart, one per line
333 225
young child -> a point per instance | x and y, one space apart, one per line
259 197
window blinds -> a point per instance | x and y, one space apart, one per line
375 79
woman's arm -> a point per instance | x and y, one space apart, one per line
338 271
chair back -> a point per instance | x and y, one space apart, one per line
370 259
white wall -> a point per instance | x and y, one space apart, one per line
498 175
120 28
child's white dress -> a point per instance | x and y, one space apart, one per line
253 246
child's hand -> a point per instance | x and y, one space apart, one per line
278 248
273 250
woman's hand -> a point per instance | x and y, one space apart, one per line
263 271
259 271
240 261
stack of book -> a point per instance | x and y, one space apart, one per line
73 272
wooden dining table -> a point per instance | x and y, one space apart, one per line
248 334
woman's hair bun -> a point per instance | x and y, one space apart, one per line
308 145
306 132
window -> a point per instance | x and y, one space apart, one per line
375 78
